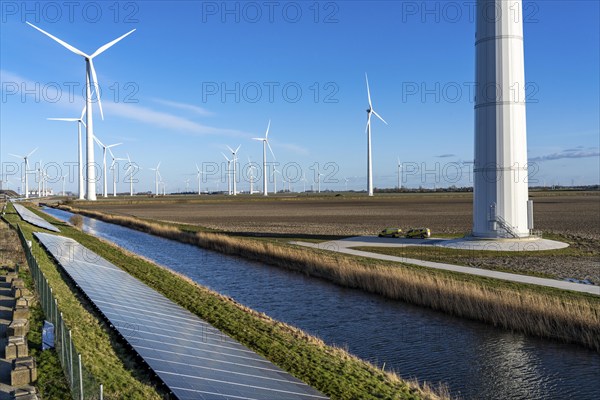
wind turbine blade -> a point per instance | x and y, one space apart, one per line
238 148
111 153
82 113
268 127
14 155
158 166
197 169
368 90
368 123
226 157
230 149
109 44
98 142
257 138
32 151
63 119
96 87
65 44
113 145
379 116
273 154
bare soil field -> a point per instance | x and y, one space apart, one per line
573 214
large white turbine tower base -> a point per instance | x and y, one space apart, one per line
500 208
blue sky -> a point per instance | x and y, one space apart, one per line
163 86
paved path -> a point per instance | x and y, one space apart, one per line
343 246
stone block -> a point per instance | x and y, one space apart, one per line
20 312
16 347
18 327
27 300
24 371
24 393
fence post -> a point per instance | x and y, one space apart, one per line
62 339
80 377
71 356
101 392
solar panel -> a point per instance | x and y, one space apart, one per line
194 359
33 219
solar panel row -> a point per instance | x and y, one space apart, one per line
33 219
195 360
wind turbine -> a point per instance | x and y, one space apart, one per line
251 168
63 183
346 183
187 185
304 182
156 175
399 174
112 168
104 148
265 141
198 177
80 122
130 172
228 170
90 79
26 158
319 182
234 161
276 171
370 111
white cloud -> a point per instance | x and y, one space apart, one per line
184 106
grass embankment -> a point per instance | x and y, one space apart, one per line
534 310
51 381
108 360
331 370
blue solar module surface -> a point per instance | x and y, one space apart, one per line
34 219
195 360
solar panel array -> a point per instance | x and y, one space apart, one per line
33 219
195 360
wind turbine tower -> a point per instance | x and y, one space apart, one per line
370 111
500 200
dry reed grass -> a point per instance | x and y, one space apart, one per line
532 312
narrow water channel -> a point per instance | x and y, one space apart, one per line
474 360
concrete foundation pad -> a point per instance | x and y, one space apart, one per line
466 243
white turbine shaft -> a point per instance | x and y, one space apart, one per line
500 171
228 172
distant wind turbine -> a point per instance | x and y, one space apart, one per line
234 161
156 175
26 172
63 183
129 172
104 171
265 141
370 111
80 187
399 174
90 79
228 170
198 175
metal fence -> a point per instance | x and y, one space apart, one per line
82 383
